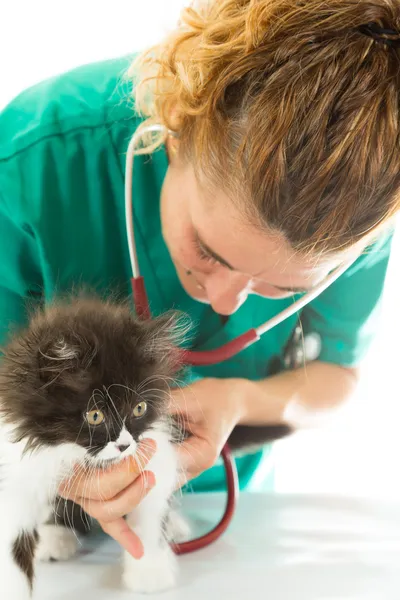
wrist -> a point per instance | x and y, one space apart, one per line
237 393
299 398
261 405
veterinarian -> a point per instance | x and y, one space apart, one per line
284 162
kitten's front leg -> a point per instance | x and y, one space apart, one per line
58 538
56 542
156 570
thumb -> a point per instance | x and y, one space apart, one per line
123 534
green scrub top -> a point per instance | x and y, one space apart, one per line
63 145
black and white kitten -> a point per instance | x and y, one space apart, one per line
82 385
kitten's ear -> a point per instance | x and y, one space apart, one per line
57 356
163 334
63 350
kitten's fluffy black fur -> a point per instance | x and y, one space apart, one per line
68 360
64 364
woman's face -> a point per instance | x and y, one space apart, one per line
220 258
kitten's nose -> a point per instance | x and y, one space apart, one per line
123 447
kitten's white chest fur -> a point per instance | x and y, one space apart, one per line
156 571
30 480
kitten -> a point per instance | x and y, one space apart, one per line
82 385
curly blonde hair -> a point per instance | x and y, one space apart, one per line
292 106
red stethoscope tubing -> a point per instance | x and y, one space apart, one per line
192 357
232 484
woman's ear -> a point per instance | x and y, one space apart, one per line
172 145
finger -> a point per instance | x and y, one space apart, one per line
98 484
181 402
121 532
197 455
104 485
123 503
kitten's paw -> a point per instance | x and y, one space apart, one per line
177 529
56 543
150 574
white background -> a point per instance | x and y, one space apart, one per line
359 453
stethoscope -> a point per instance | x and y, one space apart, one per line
205 357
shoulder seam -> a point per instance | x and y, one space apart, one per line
6 158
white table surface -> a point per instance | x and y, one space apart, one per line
278 547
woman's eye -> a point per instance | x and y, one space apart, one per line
203 255
206 257
140 409
95 417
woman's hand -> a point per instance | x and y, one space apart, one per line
209 409
109 495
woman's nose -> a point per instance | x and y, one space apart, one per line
226 291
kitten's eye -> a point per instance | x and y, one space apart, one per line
140 409
94 417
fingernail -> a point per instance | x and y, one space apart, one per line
132 465
149 480
138 554
134 550
145 452
148 447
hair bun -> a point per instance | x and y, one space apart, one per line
389 37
